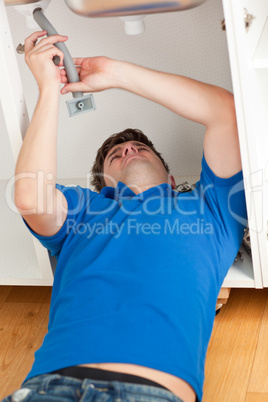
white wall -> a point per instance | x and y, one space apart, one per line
190 43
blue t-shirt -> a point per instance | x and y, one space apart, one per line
138 276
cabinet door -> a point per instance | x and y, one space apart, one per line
23 260
247 36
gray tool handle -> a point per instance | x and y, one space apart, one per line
69 66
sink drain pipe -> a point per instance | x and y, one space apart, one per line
80 104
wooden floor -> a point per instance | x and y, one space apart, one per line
237 360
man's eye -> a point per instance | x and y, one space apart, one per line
142 149
115 156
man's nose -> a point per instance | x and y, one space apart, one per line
129 149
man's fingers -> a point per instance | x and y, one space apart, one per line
64 80
51 40
52 50
68 88
73 87
78 61
31 40
63 71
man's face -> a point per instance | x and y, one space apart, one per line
133 163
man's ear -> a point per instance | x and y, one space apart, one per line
172 182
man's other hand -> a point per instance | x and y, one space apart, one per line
94 75
39 58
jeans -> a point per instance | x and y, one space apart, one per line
56 388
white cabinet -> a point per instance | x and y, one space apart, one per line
23 260
248 51
247 36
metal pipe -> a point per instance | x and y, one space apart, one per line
69 66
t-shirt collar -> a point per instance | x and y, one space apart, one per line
124 192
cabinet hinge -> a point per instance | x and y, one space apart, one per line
248 18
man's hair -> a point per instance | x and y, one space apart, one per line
129 134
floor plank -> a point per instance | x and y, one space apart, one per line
255 397
259 376
232 347
30 294
237 354
23 326
4 292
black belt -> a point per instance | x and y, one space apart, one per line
83 373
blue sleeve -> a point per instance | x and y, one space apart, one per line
78 200
226 201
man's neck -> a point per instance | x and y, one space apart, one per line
140 188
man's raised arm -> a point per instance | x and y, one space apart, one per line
203 103
42 206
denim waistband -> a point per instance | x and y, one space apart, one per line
104 375
54 387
